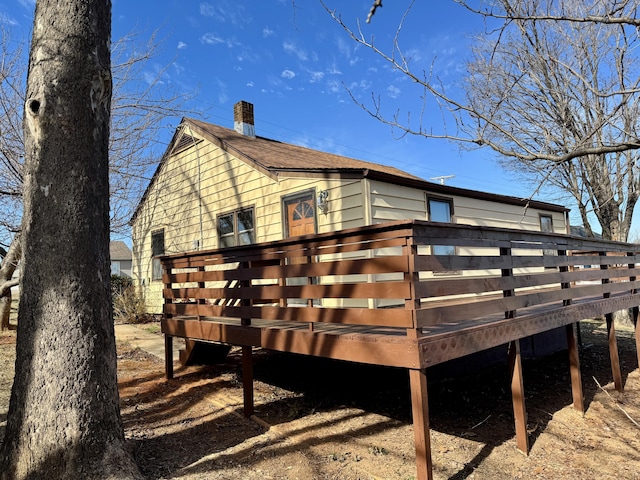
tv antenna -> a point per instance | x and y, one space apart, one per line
442 178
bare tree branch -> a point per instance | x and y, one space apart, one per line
559 102
508 11
374 7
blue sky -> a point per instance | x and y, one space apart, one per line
294 63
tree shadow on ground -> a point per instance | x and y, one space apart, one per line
476 406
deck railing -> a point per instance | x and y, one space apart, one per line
391 276
405 294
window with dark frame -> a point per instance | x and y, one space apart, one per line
236 228
157 248
546 225
441 210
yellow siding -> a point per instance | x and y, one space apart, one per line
493 214
395 202
226 183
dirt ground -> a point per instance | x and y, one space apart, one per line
318 419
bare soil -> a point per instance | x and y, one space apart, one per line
318 419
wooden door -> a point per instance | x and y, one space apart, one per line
301 220
301 216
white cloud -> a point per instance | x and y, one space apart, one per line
181 45
151 78
7 20
316 76
208 10
212 39
333 70
293 49
362 84
178 68
221 89
393 92
333 86
250 84
267 32
226 12
287 74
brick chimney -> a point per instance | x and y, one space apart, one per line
243 118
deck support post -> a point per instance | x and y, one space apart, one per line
420 412
613 353
574 368
517 396
168 357
634 317
247 381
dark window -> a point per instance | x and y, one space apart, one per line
441 210
546 225
236 228
157 248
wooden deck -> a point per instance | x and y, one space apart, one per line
379 295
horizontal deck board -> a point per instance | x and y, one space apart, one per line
335 290
392 317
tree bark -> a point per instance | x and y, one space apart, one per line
64 419
5 311
7 269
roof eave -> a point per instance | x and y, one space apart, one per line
464 192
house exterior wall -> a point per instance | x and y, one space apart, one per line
226 183
396 202
121 267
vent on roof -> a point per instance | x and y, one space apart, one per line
184 142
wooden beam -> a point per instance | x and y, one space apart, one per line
613 353
168 356
635 311
247 381
420 412
517 396
574 368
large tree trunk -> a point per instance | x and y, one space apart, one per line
64 419
8 268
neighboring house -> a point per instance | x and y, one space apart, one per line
120 258
216 187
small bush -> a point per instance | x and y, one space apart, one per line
128 305
119 283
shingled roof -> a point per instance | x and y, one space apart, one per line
118 250
276 158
